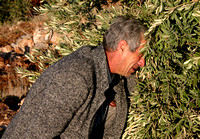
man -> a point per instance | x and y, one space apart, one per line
84 95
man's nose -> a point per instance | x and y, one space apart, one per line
141 62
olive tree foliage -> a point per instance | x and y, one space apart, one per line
79 23
165 103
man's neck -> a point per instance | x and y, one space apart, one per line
112 63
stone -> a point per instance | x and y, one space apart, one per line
6 49
18 50
25 41
39 38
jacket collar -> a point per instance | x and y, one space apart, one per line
101 68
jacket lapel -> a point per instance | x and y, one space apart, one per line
101 71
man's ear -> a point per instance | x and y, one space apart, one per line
122 45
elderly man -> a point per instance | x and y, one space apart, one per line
84 95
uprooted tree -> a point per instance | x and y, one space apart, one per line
165 103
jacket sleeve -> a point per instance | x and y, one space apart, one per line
49 107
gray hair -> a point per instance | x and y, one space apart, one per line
130 30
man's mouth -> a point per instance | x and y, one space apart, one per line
133 69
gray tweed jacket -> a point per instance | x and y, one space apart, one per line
65 98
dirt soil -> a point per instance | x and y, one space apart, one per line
7 113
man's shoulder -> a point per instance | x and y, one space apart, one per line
83 58
84 53
82 61
79 61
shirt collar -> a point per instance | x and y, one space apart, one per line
110 76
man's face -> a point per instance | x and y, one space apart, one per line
132 60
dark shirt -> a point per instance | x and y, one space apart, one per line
100 117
